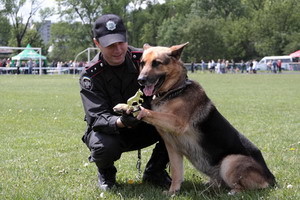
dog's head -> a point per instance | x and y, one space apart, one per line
161 68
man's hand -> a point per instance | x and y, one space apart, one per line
129 121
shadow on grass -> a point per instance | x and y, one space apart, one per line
189 190
201 190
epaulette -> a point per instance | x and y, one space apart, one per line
95 69
136 58
136 55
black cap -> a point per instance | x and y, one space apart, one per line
109 29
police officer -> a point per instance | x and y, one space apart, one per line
111 78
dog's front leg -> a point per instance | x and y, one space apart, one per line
176 165
167 122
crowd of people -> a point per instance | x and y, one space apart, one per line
70 64
222 66
28 66
24 66
274 66
60 66
5 62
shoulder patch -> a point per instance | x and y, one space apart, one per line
86 82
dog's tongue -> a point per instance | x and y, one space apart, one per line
148 90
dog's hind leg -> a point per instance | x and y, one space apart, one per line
176 165
241 172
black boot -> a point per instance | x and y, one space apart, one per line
155 172
107 178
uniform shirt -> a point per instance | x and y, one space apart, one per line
104 86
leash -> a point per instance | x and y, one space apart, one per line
138 165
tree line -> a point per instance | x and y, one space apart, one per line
232 29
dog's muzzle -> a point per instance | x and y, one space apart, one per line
151 83
142 80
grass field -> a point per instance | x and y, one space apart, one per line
42 156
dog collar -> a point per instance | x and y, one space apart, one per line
173 93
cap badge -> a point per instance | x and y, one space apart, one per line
111 25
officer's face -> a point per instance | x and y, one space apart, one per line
115 53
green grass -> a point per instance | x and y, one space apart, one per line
42 156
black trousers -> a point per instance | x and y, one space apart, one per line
107 148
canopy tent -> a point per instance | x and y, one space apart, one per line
295 54
28 54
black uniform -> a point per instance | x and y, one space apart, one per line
103 87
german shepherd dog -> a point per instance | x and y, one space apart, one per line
191 126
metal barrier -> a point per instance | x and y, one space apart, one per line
36 70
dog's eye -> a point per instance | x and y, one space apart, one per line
155 63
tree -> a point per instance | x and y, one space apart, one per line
31 37
4 31
276 26
205 39
217 8
88 11
149 24
293 43
237 39
170 32
68 40
20 23
46 12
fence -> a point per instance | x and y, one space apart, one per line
77 70
36 70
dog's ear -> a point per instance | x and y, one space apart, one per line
146 46
177 50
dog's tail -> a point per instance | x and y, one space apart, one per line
258 157
271 179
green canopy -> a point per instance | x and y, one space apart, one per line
27 54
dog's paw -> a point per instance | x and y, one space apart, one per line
121 108
171 193
142 113
233 192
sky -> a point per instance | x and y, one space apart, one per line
51 4
48 3
43 3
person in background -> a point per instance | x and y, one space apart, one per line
30 66
192 67
269 66
254 66
109 79
243 66
274 63
279 63
202 65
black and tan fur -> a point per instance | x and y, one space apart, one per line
191 126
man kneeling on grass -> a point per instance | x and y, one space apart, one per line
110 79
